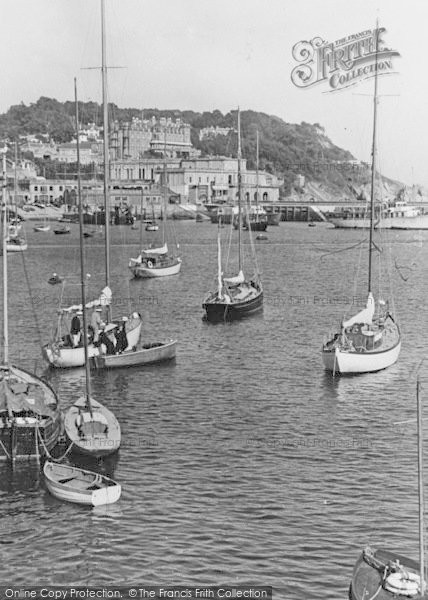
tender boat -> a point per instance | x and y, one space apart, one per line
147 354
62 230
55 279
73 484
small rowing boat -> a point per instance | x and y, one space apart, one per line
62 230
73 484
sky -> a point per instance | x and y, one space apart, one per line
217 54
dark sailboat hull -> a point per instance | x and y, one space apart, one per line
20 441
223 311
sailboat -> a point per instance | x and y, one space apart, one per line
90 426
256 218
234 297
15 243
60 352
152 226
157 261
30 419
370 340
384 574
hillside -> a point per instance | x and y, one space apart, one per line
285 149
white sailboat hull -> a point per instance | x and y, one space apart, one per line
339 361
143 272
66 358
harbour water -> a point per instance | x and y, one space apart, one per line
242 461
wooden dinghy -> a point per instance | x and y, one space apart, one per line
62 230
154 352
42 228
73 484
94 430
55 279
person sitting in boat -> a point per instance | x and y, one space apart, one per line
104 341
96 323
75 329
121 337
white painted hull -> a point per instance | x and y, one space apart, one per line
419 222
338 361
146 273
76 490
143 356
67 358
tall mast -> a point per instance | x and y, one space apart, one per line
239 193
373 180
421 489
257 176
141 220
82 260
164 189
15 179
106 153
219 273
4 246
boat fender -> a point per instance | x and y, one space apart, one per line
150 264
405 583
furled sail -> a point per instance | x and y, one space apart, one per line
103 300
364 316
235 280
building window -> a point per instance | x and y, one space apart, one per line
60 188
51 188
190 180
36 188
230 179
